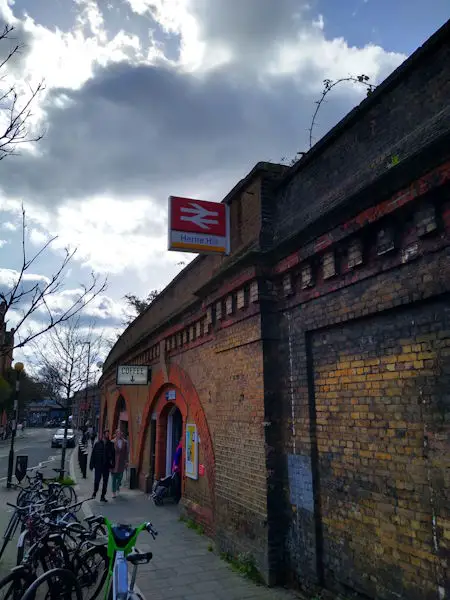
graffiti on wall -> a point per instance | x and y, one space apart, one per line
300 481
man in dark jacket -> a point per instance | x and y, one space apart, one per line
103 458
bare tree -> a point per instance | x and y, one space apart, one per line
15 109
138 305
37 299
65 360
135 306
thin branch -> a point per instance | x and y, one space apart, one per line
330 85
37 298
16 131
64 359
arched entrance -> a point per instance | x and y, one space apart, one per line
169 390
174 433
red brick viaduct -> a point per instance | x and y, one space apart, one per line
315 359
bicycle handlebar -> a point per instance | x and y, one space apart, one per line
66 509
151 530
28 507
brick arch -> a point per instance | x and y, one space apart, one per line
163 408
179 379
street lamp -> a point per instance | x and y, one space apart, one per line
86 401
18 367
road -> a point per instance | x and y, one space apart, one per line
36 444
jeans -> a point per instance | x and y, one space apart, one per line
116 482
98 476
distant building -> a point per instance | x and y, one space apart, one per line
86 407
6 343
40 412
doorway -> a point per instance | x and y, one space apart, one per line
123 426
152 463
122 417
174 433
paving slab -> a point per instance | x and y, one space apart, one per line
183 566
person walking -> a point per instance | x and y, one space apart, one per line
102 461
176 472
121 453
83 451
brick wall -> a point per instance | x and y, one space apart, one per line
224 361
377 395
228 375
181 293
320 374
364 374
375 138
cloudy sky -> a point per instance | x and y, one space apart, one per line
147 98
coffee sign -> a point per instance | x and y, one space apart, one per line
133 375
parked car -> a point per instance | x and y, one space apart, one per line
58 438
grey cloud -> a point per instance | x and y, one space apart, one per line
136 129
154 130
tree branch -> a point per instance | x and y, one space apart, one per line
16 131
329 85
38 298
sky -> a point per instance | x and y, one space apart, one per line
149 98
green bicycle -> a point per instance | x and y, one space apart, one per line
121 550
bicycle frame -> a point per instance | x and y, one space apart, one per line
118 565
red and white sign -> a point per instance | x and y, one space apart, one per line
198 226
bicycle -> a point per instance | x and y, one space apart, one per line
46 487
16 520
61 519
59 584
121 550
52 551
67 493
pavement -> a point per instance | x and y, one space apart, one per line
36 444
183 567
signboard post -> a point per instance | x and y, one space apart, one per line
198 226
133 375
21 467
191 464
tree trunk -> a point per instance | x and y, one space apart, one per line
64 446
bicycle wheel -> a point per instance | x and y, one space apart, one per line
52 555
67 495
9 532
14 585
100 531
91 569
23 546
57 584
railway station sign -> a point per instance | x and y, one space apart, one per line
133 375
198 226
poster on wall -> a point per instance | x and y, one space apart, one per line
191 466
